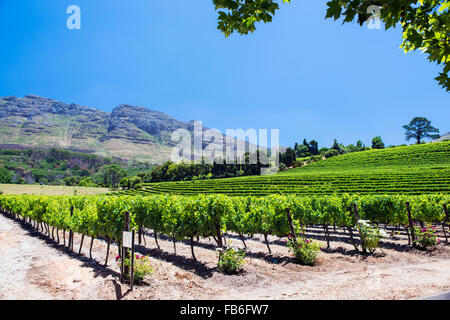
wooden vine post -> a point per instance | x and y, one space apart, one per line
411 224
288 213
219 234
71 232
127 244
126 251
363 246
447 220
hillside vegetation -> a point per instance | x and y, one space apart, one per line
405 156
60 167
417 169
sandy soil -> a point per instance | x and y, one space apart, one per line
32 266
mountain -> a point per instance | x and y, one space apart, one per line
444 137
128 132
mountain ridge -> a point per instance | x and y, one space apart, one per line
128 132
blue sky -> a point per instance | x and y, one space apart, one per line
309 77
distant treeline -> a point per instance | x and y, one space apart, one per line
299 155
186 170
308 152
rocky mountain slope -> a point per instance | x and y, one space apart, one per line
129 132
444 137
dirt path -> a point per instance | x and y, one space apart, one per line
33 269
32 266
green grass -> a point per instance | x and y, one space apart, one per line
417 169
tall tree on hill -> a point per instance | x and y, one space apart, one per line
305 143
420 128
314 147
377 143
425 24
336 145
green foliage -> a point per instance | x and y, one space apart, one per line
425 23
420 128
187 217
377 143
230 259
112 174
241 16
141 267
5 175
425 237
416 169
370 235
71 181
86 182
304 250
61 167
331 153
288 157
200 170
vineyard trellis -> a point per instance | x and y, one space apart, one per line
191 217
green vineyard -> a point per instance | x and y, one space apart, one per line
315 195
423 155
414 170
182 217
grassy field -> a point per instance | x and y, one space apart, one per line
417 169
50 190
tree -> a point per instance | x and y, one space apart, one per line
420 128
288 157
112 175
331 153
425 23
302 151
313 147
5 175
71 181
377 143
335 145
86 182
359 147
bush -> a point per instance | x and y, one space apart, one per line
86 182
304 250
5 175
331 153
230 260
141 266
426 236
370 235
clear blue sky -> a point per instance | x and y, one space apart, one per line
307 76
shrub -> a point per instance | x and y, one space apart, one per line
370 235
426 236
304 250
331 153
230 259
141 266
